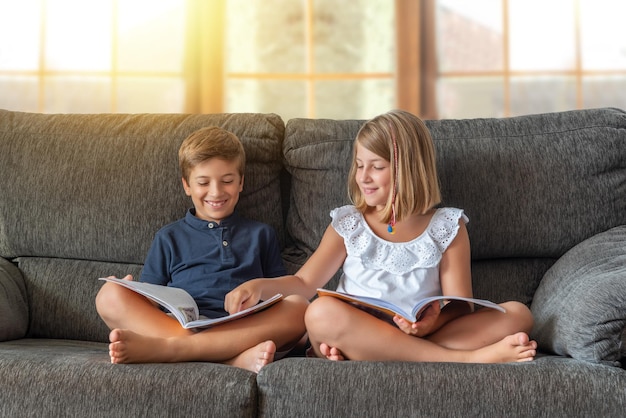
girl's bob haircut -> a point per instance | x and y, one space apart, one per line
417 185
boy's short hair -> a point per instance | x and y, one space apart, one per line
418 183
207 143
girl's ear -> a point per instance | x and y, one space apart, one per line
186 187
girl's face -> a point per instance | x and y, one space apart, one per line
373 176
214 186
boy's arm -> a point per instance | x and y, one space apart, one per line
316 272
155 268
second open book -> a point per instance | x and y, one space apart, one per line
390 310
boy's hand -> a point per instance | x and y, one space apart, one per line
241 297
424 324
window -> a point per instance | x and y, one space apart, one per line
92 56
513 57
313 58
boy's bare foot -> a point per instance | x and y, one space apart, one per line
331 353
129 347
255 358
512 348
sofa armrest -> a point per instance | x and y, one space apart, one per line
13 302
580 304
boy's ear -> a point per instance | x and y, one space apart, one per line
186 187
241 184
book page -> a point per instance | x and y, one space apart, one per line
205 323
175 300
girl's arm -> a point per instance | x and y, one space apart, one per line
456 280
455 275
316 272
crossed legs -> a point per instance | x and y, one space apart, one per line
338 330
142 333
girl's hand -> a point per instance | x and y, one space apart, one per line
242 297
424 325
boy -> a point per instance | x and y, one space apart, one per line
208 253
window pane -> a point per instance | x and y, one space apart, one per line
77 94
604 92
468 97
19 34
78 35
542 94
151 35
353 99
469 35
603 34
265 36
288 98
542 35
145 95
19 93
355 36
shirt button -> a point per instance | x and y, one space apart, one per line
225 243
211 226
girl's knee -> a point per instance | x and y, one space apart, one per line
520 314
324 313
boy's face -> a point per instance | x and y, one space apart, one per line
214 186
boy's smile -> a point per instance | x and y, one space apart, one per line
214 186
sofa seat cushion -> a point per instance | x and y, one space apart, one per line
549 386
580 305
76 379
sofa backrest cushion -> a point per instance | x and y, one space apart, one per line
97 187
13 302
533 186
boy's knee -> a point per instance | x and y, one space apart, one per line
107 298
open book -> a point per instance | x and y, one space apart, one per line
182 305
390 310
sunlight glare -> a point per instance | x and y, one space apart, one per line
78 35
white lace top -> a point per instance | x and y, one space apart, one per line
400 273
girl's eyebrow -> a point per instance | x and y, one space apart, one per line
372 160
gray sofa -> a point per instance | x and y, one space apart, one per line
82 195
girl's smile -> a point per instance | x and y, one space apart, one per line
373 176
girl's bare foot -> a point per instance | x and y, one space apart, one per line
331 353
255 358
512 348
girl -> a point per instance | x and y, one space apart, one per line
394 244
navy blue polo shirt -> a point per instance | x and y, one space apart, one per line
209 260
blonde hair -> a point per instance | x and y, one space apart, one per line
416 172
207 143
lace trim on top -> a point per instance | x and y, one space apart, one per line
397 258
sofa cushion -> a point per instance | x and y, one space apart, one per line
13 302
580 305
62 293
317 155
62 378
532 186
97 187
546 387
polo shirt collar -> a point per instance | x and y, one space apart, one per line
198 223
